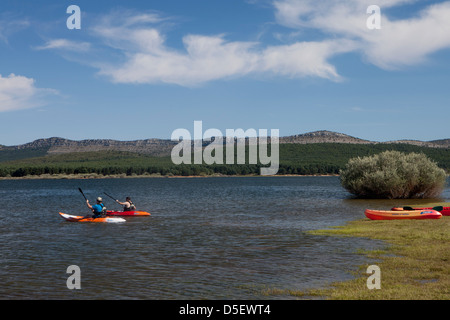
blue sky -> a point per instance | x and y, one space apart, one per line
141 69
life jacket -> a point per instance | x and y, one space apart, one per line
131 207
96 209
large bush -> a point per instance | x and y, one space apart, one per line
393 175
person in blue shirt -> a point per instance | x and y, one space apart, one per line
97 209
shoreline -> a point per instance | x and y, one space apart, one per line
413 264
158 176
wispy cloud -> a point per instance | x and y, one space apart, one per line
145 57
399 43
11 24
206 58
19 92
64 44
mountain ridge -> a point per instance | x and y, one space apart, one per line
163 147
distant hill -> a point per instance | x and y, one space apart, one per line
323 136
444 143
56 145
163 147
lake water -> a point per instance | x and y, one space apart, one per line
207 238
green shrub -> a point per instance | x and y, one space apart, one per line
393 175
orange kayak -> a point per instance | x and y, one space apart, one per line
401 215
127 213
445 211
71 218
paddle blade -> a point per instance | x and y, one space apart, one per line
438 208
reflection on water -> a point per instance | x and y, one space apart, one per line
207 238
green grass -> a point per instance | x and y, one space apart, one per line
414 265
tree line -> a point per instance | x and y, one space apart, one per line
177 170
295 159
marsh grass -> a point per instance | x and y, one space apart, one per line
415 265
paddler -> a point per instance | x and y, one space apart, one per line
128 205
97 209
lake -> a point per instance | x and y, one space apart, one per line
207 238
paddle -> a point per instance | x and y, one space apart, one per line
438 208
81 191
110 196
115 200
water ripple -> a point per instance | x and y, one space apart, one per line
207 238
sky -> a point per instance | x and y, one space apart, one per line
142 69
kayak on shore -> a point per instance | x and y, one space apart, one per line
72 218
402 214
445 211
133 213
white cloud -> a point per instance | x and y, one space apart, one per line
304 58
64 44
208 58
411 41
205 59
19 92
141 54
399 42
325 13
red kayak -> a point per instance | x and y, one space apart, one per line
135 213
445 211
402 214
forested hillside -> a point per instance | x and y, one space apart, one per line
298 159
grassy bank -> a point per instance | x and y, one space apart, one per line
415 265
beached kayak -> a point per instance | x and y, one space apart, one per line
403 214
72 218
127 213
445 211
